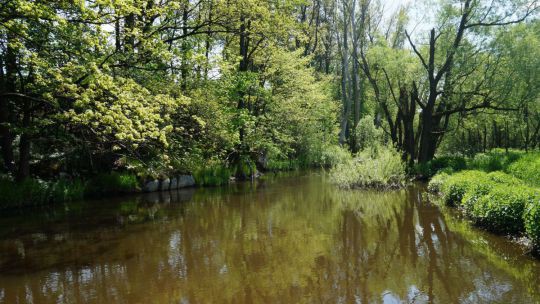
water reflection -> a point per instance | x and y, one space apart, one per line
290 239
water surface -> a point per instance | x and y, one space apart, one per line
285 239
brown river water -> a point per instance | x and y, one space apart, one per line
292 238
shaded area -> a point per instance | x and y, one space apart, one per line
282 239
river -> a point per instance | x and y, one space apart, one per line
291 238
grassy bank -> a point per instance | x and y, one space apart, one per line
497 191
37 192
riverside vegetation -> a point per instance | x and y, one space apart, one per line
97 97
500 192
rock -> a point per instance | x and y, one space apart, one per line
151 186
186 181
165 184
174 183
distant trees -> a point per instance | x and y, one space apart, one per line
422 89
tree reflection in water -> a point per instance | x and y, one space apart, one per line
289 239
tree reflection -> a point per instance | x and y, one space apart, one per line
289 240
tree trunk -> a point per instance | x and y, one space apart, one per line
6 108
344 80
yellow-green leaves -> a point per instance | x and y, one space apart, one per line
120 110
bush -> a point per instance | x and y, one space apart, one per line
367 134
502 208
455 186
531 217
495 160
380 167
527 168
333 155
212 175
437 181
112 183
447 164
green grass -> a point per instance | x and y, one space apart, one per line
111 183
34 192
527 168
213 175
495 160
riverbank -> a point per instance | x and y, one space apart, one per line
38 192
497 191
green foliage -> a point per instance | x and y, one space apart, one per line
527 168
333 155
111 184
435 184
215 174
367 134
64 190
531 217
30 192
495 160
456 185
501 209
445 163
380 168
282 165
35 192
497 201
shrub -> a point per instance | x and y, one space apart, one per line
380 167
282 165
333 155
367 134
531 217
446 163
454 187
501 209
503 178
495 160
527 168
437 181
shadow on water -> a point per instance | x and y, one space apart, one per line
287 238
